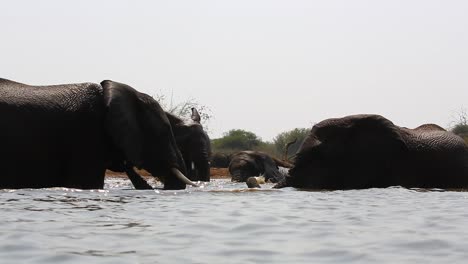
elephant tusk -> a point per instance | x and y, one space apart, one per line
260 179
182 177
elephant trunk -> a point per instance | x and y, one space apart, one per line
176 178
281 163
198 168
236 176
285 181
286 149
282 184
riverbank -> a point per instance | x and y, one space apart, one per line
216 173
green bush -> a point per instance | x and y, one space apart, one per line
460 129
269 148
236 140
283 138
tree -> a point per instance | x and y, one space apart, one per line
461 124
460 129
236 140
283 138
184 108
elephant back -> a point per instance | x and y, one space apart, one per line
435 158
424 139
64 97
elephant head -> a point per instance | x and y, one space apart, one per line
194 144
245 164
220 160
142 135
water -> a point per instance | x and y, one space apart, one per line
226 223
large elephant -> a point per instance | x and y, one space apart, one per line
194 144
367 151
245 164
68 135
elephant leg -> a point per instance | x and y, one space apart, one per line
83 168
85 175
138 182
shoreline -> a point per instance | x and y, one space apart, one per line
215 173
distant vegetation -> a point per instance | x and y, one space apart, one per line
237 140
184 108
461 124
461 130
280 141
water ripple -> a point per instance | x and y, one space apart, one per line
226 222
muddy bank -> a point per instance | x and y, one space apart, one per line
219 173
216 173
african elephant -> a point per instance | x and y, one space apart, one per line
245 164
68 135
194 144
369 151
220 160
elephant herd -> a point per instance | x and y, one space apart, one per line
69 135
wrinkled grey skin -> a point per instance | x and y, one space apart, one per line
68 135
367 151
194 144
245 164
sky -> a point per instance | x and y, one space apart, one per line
265 66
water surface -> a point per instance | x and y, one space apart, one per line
224 222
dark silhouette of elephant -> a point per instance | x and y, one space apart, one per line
245 164
194 144
220 160
68 135
369 151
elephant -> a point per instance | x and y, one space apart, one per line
68 135
194 144
220 160
245 164
369 151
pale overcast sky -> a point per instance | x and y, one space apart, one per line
264 66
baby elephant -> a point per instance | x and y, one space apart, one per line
246 164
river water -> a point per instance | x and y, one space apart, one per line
224 222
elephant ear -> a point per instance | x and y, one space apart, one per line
195 115
376 132
122 123
180 129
